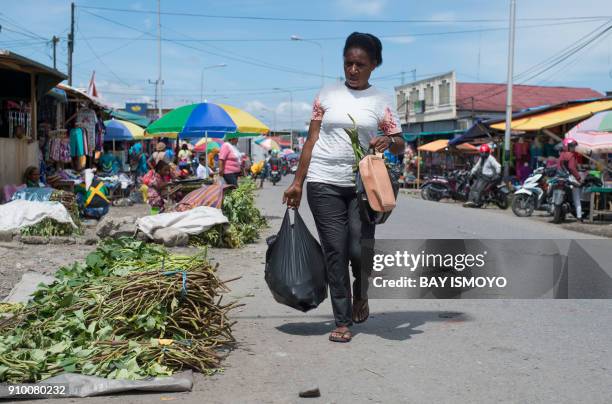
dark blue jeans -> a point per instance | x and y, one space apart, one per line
336 213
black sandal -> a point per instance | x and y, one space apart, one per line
342 337
361 311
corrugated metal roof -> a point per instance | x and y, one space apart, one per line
492 96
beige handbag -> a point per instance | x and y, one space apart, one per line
377 184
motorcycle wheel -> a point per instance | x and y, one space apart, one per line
502 201
428 194
523 205
558 214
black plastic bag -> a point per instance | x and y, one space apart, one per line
295 266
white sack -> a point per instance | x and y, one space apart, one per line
194 221
20 213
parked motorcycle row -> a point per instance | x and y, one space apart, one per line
457 186
546 189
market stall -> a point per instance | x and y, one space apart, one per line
580 119
441 157
23 82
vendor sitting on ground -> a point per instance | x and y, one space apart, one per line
202 172
158 187
31 177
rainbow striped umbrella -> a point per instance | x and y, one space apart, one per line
206 120
267 143
204 145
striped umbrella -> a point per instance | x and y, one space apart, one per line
206 120
203 146
594 134
600 122
593 142
117 129
267 143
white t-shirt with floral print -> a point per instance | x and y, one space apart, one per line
332 157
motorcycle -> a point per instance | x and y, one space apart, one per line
534 194
563 202
293 163
284 166
275 174
455 185
494 192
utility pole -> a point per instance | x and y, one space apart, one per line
509 89
55 40
70 44
290 111
155 99
160 82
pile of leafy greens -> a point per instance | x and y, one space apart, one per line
132 310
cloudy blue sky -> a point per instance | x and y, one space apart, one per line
260 57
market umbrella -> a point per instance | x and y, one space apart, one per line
119 130
206 147
267 143
441 144
600 122
208 120
594 135
287 151
593 142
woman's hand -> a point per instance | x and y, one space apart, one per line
293 196
380 143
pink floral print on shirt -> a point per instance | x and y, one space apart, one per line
317 111
388 125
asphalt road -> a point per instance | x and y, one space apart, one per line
411 351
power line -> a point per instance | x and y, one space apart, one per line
110 51
102 61
549 63
250 61
26 32
342 38
340 20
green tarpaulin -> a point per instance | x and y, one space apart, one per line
139 120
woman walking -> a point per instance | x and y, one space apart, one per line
327 163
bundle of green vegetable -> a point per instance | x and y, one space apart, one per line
49 227
354 136
127 313
245 220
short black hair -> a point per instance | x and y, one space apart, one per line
368 42
161 164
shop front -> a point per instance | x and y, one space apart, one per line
23 82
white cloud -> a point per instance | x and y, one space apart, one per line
363 7
402 40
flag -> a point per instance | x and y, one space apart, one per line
92 90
